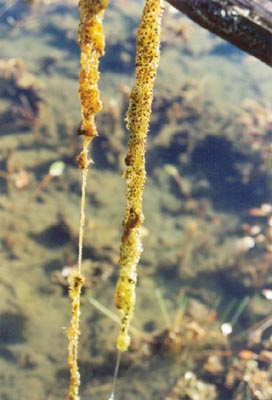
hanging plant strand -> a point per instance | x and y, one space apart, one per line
91 42
137 118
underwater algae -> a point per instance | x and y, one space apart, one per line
137 122
186 244
91 41
137 118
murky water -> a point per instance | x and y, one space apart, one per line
202 326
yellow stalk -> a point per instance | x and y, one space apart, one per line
138 117
91 42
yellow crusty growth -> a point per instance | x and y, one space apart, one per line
91 42
76 281
138 117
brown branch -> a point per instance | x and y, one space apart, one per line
245 23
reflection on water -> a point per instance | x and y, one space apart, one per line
202 326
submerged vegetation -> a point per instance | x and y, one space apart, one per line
202 326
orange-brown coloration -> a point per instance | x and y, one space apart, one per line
247 354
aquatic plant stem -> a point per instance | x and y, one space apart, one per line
137 118
82 218
239 310
76 282
114 317
115 375
91 42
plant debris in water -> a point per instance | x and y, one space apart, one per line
207 235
